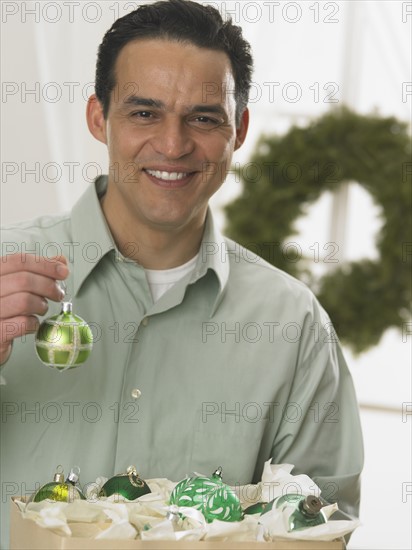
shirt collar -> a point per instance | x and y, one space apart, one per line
92 239
213 253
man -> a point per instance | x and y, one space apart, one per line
193 365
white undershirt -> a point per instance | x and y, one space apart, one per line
160 280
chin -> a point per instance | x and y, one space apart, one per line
180 215
169 221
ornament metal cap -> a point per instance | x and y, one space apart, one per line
73 476
67 307
311 505
134 478
218 472
58 477
173 513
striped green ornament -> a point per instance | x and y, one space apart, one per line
210 495
64 341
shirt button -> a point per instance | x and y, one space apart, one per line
136 393
145 321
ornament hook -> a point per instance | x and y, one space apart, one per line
66 301
63 287
134 478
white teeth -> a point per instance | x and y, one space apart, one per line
168 176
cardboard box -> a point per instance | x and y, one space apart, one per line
25 533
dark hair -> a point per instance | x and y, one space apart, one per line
181 21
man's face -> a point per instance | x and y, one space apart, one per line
170 132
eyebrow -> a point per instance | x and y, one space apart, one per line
137 101
215 108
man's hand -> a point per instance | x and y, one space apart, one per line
26 280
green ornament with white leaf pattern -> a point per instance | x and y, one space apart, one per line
209 495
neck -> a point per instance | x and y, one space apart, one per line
152 247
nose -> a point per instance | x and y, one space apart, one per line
173 139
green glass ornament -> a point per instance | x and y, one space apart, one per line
128 485
257 508
64 341
307 510
210 495
60 490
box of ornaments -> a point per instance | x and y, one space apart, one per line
198 512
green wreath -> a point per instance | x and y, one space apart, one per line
286 174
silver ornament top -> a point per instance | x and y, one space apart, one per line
66 302
73 476
173 513
67 307
59 475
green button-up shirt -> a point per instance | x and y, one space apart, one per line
232 366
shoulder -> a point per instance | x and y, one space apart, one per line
252 279
245 263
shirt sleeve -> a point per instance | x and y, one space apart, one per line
320 432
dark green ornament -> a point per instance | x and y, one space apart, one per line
210 495
128 485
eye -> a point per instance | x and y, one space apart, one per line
206 122
143 117
141 114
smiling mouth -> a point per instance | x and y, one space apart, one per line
169 180
168 176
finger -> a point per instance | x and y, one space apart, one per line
59 258
16 327
26 281
5 352
22 303
55 268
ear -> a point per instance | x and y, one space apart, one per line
241 131
95 119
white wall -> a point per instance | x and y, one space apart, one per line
360 47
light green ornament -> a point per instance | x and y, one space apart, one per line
65 340
210 495
60 490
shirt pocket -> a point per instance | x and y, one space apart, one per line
231 441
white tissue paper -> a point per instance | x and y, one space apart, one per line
150 517
49 515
